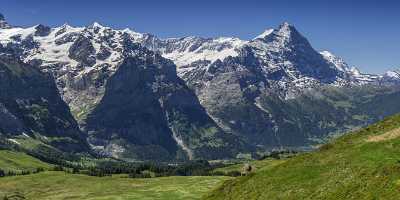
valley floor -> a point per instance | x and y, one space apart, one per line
59 185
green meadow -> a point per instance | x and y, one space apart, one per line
60 185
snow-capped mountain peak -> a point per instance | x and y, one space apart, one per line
97 24
286 31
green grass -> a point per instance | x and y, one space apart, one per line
17 161
348 168
59 185
258 164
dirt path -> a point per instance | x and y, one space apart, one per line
386 136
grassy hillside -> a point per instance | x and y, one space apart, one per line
361 165
257 164
59 185
15 161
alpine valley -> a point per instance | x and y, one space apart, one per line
133 96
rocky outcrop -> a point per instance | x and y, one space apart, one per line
83 51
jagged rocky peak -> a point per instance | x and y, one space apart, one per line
96 24
285 29
3 22
97 27
289 34
285 37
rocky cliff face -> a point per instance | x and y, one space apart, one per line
148 112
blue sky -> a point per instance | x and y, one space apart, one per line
366 33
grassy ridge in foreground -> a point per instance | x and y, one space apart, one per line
361 165
59 185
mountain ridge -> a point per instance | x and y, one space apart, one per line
250 97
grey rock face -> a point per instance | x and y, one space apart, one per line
11 125
83 51
103 54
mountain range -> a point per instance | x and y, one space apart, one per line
135 96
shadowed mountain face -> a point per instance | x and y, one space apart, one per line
30 106
148 112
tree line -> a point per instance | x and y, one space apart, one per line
4 173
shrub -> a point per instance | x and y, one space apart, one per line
39 169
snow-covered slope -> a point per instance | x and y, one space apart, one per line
187 50
264 34
190 49
338 62
353 73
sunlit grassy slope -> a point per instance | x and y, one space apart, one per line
59 185
361 165
257 164
17 161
